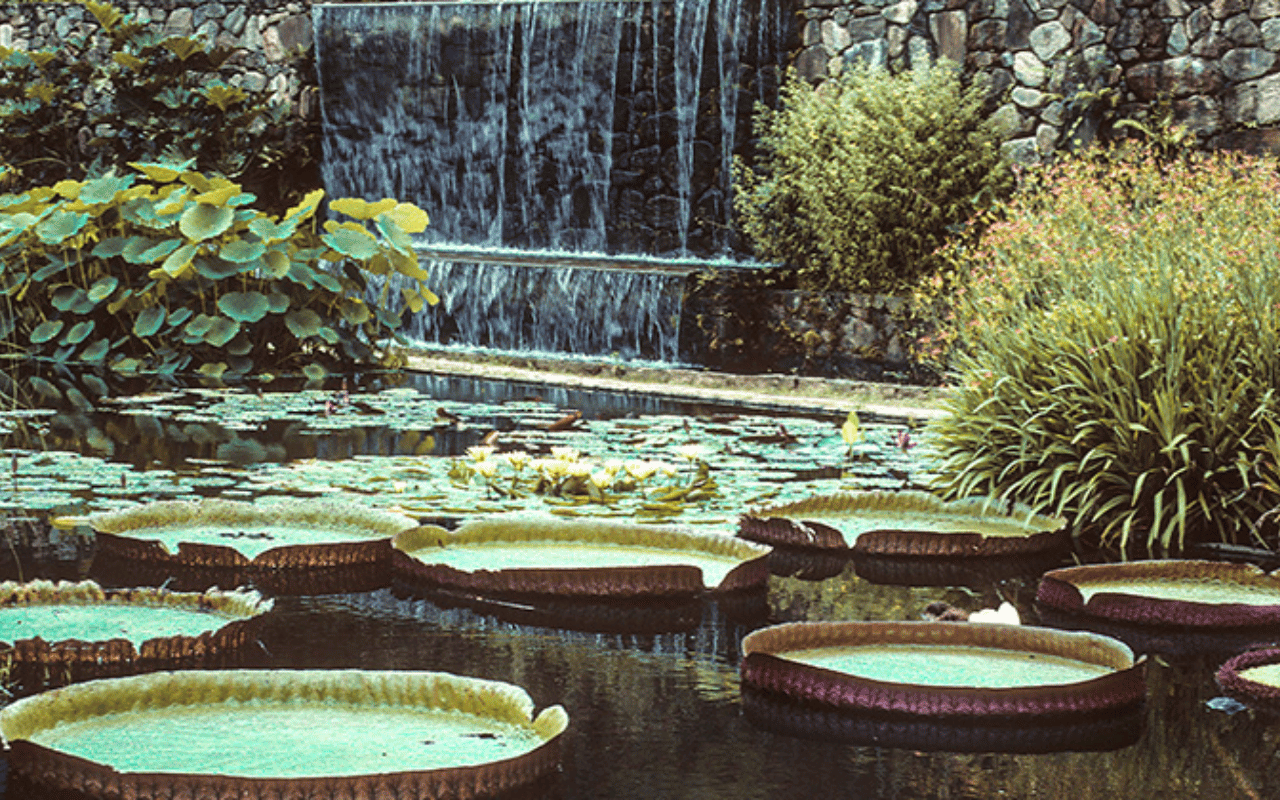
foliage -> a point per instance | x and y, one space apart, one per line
1117 338
569 477
172 270
862 178
132 93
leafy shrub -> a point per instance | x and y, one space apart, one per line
1117 339
168 270
131 93
862 178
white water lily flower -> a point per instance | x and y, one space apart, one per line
692 452
479 453
602 479
564 453
578 469
641 470
487 469
612 467
518 459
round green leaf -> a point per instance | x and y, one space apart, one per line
96 352
66 298
179 259
314 372
303 323
221 331
78 333
199 326
109 247
244 306
179 316
103 287
352 241
279 302
52 327
103 190
242 252
60 226
277 263
149 321
216 268
202 221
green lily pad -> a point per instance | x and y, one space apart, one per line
202 221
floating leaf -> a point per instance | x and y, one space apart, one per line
148 321
244 306
202 221
46 330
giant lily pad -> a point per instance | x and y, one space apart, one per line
541 554
52 634
1209 595
904 524
251 734
1253 678
936 670
269 536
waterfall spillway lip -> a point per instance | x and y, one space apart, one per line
554 258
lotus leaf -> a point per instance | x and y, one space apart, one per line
60 226
103 287
215 268
104 189
199 326
69 189
409 217
350 239
146 252
179 316
78 332
202 221
303 322
68 298
276 263
361 209
96 351
149 321
244 306
241 251
305 208
326 280
179 259
45 331
354 311
270 232
161 173
111 246
221 331
279 303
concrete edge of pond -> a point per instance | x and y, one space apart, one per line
878 401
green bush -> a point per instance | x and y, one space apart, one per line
167 270
130 93
1117 340
862 178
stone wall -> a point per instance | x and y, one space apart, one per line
1052 63
272 38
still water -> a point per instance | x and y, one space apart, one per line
662 715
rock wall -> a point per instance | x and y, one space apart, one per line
1053 64
271 38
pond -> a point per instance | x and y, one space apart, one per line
652 715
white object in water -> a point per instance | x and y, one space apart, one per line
1006 614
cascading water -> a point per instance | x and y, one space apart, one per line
560 126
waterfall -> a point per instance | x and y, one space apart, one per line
550 126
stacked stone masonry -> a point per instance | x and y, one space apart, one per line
1051 64
271 39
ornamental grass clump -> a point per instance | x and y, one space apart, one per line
1115 335
861 179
